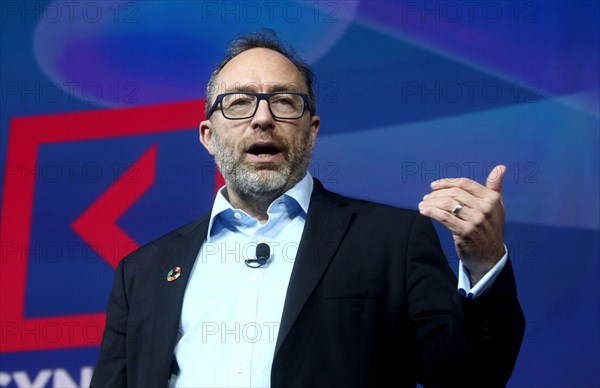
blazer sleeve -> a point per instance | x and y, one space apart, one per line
111 369
458 342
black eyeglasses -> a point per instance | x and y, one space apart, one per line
243 105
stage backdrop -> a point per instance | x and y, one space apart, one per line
100 103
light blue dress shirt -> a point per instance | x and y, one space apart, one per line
231 313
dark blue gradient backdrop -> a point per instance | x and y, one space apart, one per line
408 92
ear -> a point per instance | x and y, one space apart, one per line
315 124
205 133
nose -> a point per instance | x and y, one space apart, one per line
263 117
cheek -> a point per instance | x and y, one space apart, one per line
303 137
230 146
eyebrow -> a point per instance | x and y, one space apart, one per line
271 87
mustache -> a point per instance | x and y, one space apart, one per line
272 139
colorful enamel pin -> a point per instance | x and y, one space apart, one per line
173 274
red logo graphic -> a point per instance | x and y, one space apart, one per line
98 224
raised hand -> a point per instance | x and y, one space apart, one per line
474 214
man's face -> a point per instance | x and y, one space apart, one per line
261 154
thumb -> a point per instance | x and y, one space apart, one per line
494 180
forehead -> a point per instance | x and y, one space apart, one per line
260 69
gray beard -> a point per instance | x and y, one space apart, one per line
254 181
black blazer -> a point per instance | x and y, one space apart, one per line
372 302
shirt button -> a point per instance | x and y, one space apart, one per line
237 216
261 238
252 278
240 369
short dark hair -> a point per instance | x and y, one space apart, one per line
268 39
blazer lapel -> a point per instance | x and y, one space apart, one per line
180 252
328 219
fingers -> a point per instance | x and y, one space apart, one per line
479 202
493 182
448 199
474 207
444 215
440 206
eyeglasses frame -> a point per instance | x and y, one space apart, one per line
260 96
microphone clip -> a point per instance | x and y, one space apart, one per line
263 252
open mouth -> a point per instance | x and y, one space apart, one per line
264 151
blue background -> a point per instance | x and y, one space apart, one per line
408 92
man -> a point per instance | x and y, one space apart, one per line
350 294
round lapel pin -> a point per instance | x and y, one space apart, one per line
173 274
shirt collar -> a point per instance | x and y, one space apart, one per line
299 194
